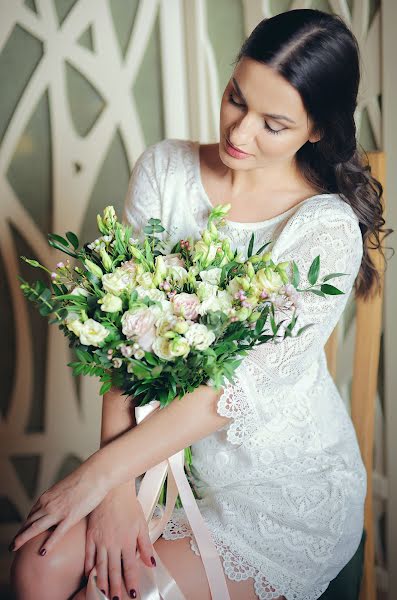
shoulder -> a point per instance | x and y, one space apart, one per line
324 212
326 219
161 155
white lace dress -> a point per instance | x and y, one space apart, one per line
282 485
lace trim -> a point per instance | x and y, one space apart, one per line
237 568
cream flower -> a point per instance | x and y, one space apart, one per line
74 324
93 333
206 290
161 347
268 280
117 282
199 336
179 346
110 303
212 276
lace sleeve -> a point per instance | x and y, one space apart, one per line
143 197
265 378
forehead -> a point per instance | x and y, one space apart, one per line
268 92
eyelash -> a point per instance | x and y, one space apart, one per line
269 129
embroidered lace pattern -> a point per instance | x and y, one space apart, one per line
282 484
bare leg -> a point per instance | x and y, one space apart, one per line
188 571
57 576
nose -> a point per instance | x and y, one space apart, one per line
245 130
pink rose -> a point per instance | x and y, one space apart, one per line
173 260
186 305
129 266
141 325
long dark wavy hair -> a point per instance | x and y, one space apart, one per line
319 56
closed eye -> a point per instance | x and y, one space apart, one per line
269 129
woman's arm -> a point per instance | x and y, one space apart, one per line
118 416
172 428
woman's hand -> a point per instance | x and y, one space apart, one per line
116 529
63 505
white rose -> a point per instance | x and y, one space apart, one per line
165 323
117 282
111 303
74 324
145 280
161 347
212 304
156 295
212 276
206 290
179 347
93 333
199 336
176 274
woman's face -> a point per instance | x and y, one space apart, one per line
254 92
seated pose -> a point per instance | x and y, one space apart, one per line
276 462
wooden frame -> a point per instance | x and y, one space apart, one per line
364 387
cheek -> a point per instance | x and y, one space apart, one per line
283 144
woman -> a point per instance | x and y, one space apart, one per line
275 456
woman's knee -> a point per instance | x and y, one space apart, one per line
32 574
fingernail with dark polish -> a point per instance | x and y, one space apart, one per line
11 547
115 598
42 551
132 593
153 560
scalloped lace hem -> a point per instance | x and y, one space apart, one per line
236 567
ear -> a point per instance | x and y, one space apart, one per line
315 136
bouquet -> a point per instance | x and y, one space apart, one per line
159 323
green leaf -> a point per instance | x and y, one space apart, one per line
314 271
45 295
296 274
151 359
318 293
332 275
73 239
58 238
45 310
251 245
60 247
261 249
302 329
105 387
327 288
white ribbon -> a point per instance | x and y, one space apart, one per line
156 583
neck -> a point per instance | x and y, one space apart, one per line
272 176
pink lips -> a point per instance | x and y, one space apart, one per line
234 151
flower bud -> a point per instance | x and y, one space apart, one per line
101 225
106 260
109 217
93 268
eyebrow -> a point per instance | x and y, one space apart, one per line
272 116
